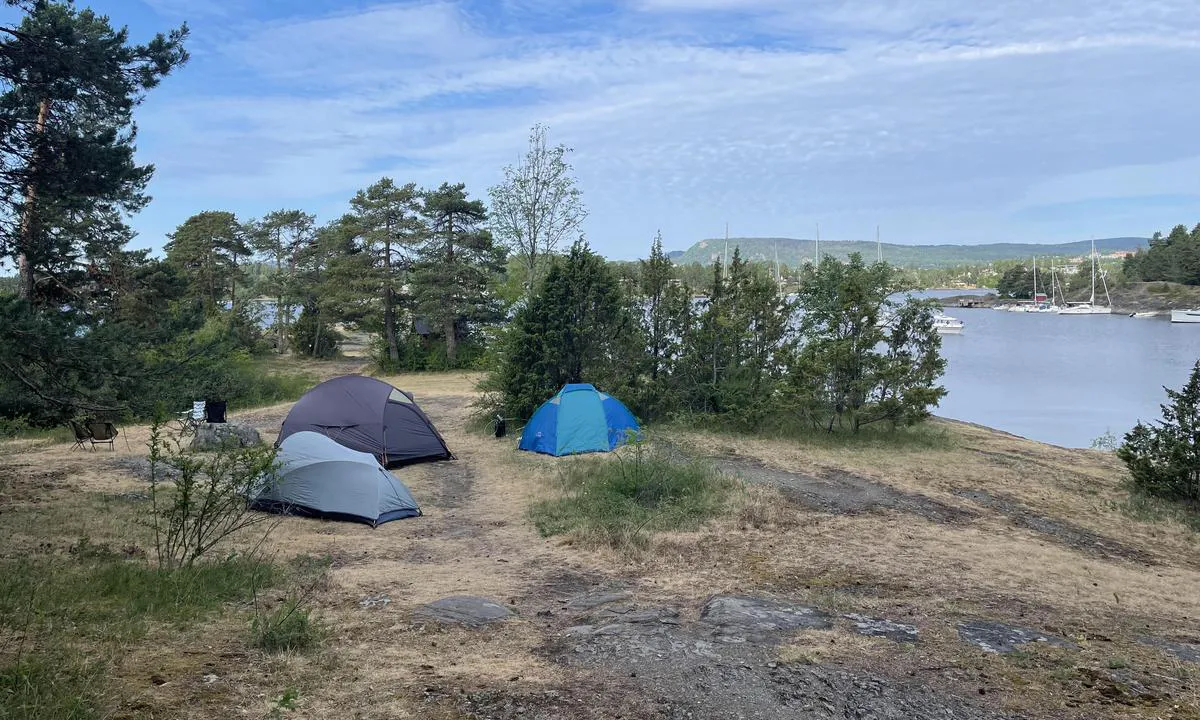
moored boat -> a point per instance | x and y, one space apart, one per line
946 325
1185 316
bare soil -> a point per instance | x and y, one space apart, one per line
837 585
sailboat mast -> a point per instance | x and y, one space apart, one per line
1093 303
1035 280
776 244
878 247
817 254
725 264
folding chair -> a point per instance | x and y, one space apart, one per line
81 435
189 421
103 432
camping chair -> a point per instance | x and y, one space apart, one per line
103 432
189 421
81 435
214 411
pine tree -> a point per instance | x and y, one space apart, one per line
280 236
206 248
387 226
455 264
71 82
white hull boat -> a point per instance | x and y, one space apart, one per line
946 325
1185 316
1143 314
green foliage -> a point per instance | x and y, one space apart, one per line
281 236
1174 258
537 206
205 249
314 336
205 506
576 329
290 627
70 82
454 267
50 687
864 359
1164 457
619 500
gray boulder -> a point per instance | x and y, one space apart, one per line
215 436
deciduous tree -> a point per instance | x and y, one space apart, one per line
538 205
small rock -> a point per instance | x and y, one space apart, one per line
209 679
371 601
463 610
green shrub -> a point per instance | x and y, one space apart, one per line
1164 457
291 627
205 504
618 500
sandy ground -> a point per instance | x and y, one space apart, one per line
983 526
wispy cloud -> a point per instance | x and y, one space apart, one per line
944 122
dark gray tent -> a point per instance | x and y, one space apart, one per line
370 416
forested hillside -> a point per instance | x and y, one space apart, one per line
795 252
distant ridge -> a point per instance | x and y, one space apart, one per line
794 252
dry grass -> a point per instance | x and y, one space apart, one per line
474 538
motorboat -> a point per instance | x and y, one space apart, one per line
1185 316
946 325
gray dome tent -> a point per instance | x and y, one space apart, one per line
319 478
370 416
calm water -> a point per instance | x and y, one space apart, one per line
1064 380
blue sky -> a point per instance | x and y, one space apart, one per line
940 120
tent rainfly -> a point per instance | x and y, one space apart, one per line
317 477
368 415
578 419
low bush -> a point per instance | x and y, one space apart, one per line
290 627
620 499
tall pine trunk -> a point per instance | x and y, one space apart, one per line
389 308
279 313
25 268
451 341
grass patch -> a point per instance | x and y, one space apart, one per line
621 499
929 435
1146 508
46 687
102 595
291 627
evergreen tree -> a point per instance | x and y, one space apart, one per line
863 358
70 84
1164 457
206 249
455 265
280 237
576 328
387 226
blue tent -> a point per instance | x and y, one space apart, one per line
579 419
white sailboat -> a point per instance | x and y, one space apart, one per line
1090 307
1042 306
